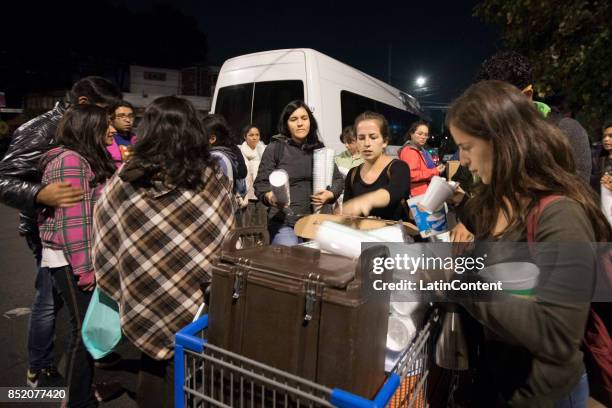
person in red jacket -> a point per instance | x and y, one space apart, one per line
422 166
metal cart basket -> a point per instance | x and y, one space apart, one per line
209 376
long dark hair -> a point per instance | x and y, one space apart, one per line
312 139
172 145
216 125
83 128
532 159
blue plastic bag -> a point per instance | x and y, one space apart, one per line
101 331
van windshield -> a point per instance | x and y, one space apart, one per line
260 103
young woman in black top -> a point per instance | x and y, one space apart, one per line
380 186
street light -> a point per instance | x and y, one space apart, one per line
420 81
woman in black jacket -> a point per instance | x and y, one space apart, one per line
292 150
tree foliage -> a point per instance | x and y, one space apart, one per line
569 44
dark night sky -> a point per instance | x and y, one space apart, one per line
440 40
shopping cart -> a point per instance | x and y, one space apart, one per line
209 376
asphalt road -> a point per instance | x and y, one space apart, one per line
17 273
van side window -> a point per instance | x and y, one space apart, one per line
260 103
399 120
270 99
234 104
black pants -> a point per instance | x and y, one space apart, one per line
79 364
155 383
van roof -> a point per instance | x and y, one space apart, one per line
314 56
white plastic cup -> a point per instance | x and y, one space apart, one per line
399 333
342 240
429 224
438 191
322 169
279 180
515 276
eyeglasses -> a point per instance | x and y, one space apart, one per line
124 116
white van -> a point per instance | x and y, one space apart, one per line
255 88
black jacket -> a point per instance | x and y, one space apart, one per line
19 170
297 162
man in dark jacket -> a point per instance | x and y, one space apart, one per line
515 69
21 188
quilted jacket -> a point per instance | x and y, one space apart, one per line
20 175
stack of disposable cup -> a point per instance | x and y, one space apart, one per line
515 276
438 191
429 224
322 169
279 180
342 240
606 202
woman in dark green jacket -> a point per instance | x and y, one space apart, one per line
532 343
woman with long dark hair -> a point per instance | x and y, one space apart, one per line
67 232
159 223
222 142
601 179
529 192
292 151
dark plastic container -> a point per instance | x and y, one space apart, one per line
314 315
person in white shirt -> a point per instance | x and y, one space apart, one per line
252 150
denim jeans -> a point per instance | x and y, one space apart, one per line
283 235
579 396
46 304
79 363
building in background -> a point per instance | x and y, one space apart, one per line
145 85
150 80
199 80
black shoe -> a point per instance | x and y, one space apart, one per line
106 391
47 377
108 361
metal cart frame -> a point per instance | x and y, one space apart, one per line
207 375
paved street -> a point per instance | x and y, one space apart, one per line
17 273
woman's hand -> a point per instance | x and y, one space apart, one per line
606 181
461 238
457 196
441 168
358 206
59 195
271 199
321 197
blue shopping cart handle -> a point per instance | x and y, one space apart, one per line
344 399
186 336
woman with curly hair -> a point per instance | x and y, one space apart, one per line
158 224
